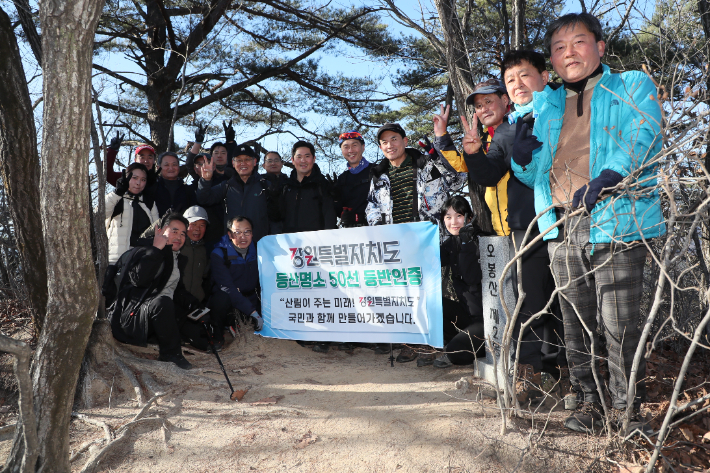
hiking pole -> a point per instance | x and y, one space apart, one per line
391 356
232 395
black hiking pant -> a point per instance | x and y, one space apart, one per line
542 342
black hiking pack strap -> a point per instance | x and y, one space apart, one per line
227 258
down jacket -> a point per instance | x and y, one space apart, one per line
624 135
434 178
247 199
119 227
236 276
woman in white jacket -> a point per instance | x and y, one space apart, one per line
128 211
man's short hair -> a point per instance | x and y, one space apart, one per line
237 219
273 152
216 145
569 20
302 144
516 57
167 153
170 216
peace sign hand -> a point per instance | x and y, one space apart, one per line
160 239
208 168
441 120
471 141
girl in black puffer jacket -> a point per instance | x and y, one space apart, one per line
463 306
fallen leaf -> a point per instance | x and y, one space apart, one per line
629 468
239 394
687 433
306 440
267 401
256 370
312 381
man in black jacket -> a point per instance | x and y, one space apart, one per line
306 203
353 185
244 194
152 300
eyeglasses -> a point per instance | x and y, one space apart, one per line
245 232
350 135
243 161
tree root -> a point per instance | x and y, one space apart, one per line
120 436
108 361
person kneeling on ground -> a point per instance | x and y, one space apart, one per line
235 274
462 304
152 300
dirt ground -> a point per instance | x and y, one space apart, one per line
335 412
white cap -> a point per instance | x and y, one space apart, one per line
195 213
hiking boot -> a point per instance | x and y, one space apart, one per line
305 344
321 347
344 346
406 355
179 360
426 359
636 422
527 387
564 389
443 362
588 418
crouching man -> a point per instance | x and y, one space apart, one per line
235 274
152 300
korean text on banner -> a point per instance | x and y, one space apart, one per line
368 284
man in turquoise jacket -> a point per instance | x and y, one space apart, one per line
593 144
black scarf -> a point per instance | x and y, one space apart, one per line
579 87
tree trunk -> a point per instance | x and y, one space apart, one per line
19 168
518 39
67 46
461 82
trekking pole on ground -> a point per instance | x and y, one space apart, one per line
391 356
233 395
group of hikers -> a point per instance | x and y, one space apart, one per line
568 161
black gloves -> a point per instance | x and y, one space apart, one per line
427 146
200 134
122 183
229 132
524 145
116 142
589 193
347 218
467 234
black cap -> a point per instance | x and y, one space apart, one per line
244 150
491 86
396 127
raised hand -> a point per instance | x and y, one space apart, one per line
116 142
471 141
524 144
229 132
200 133
160 239
208 168
122 182
441 121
